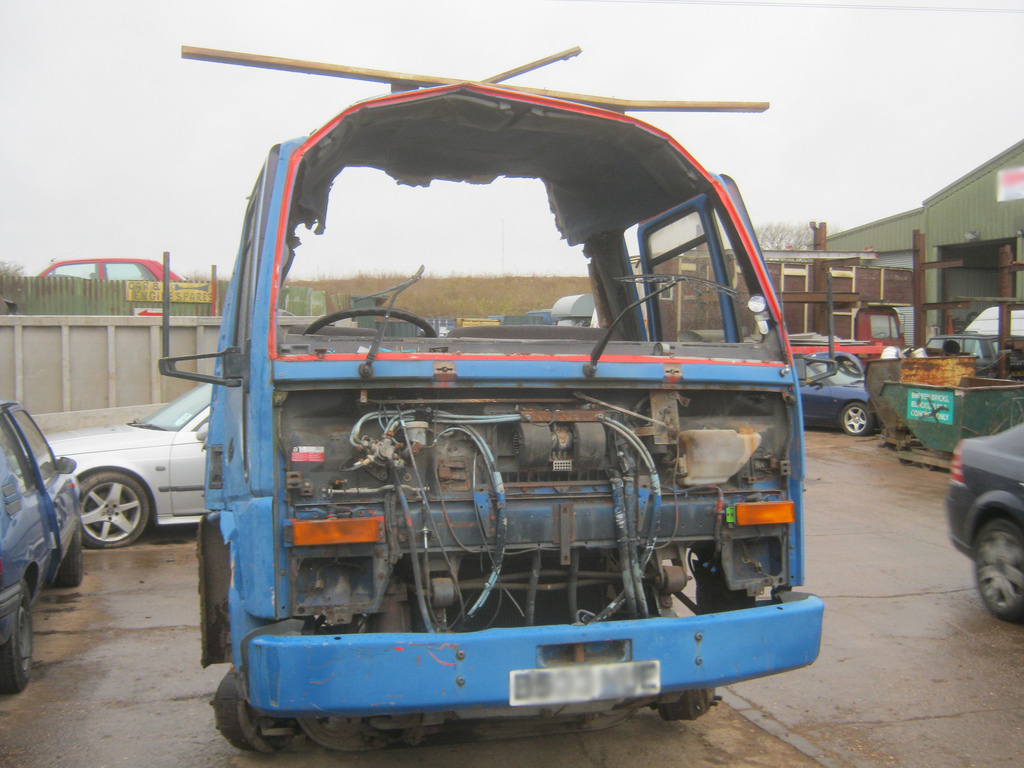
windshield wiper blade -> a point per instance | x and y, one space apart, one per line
590 369
366 367
146 425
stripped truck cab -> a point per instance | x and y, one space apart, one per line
509 526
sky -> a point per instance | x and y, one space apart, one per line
112 145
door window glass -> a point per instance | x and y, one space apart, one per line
89 270
38 445
127 271
16 459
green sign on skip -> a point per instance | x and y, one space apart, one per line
929 405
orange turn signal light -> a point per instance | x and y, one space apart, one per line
354 530
763 512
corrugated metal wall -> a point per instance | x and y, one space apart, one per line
885 235
968 209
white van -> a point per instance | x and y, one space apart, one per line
988 322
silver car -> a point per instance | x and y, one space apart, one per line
133 473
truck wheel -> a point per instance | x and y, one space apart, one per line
115 510
240 725
690 706
70 572
855 419
342 734
999 569
16 653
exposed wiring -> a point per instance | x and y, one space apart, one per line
428 617
429 517
501 520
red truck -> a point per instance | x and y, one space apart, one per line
863 319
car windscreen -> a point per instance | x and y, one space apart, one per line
180 412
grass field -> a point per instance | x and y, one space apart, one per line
455 296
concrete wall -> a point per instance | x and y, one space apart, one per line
70 363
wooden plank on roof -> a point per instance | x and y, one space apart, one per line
405 81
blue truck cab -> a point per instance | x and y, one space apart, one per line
40 535
509 526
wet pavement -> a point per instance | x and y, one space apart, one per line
912 671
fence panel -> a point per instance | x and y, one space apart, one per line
63 363
76 296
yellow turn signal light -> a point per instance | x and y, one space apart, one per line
353 530
764 512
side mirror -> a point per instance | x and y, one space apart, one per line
202 431
65 465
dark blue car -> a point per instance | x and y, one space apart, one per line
40 535
834 395
985 513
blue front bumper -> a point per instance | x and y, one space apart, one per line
377 674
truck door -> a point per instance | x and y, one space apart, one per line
690 245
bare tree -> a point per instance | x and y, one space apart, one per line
783 236
10 269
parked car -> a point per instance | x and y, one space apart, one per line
108 269
834 396
151 469
40 535
984 349
985 513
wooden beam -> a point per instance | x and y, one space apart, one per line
1012 300
817 297
943 264
309 67
564 55
402 80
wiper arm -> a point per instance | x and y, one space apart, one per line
366 367
145 425
590 369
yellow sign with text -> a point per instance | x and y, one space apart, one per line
181 293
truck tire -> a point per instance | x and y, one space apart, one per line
16 653
691 705
239 724
70 572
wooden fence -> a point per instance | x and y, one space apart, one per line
75 296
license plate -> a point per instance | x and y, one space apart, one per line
584 682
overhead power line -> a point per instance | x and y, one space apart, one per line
817 6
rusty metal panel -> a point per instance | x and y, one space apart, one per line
936 371
897 285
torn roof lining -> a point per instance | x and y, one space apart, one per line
602 173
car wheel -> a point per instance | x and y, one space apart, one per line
70 572
855 419
16 653
999 568
115 510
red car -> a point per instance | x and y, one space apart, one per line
108 269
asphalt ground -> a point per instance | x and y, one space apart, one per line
912 671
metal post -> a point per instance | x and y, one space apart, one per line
166 352
831 318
